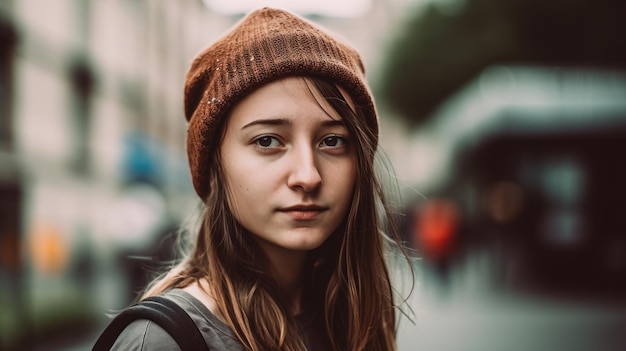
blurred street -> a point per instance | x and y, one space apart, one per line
474 314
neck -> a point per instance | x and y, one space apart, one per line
287 268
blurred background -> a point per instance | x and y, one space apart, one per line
505 121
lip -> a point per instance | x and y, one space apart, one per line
303 212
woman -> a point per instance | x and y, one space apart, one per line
289 254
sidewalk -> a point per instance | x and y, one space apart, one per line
475 316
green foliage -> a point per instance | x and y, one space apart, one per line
440 50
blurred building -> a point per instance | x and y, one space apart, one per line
90 109
536 254
531 155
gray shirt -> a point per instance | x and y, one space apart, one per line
142 335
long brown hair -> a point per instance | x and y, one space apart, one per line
347 276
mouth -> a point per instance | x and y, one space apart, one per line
303 212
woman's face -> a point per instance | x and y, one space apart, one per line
290 168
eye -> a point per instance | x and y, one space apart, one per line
267 142
333 141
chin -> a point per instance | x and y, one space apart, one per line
306 244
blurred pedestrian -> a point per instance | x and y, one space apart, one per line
289 253
435 235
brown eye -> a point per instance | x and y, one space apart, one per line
267 142
333 141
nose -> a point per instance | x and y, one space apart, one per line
304 173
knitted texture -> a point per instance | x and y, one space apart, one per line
266 45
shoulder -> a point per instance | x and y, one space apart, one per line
146 335
142 335
203 310
199 290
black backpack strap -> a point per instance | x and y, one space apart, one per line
164 312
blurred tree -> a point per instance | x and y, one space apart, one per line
447 43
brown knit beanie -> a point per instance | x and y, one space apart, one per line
266 45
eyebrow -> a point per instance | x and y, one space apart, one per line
284 121
267 122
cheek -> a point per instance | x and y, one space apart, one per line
239 197
236 183
245 183
248 177
345 181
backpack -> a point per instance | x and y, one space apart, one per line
164 312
